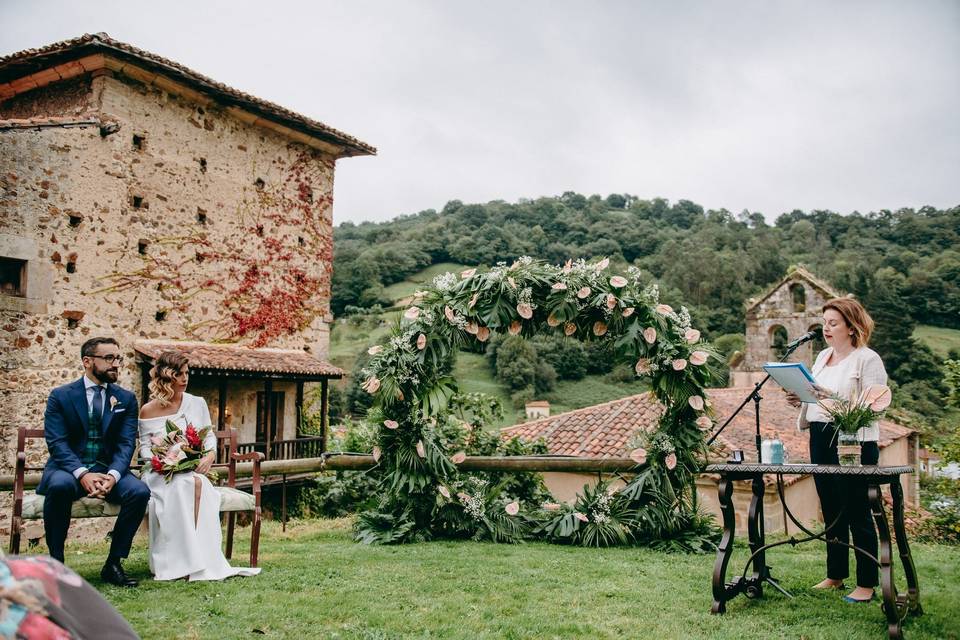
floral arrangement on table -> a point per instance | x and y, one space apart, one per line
177 451
409 379
849 415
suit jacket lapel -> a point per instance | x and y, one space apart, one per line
107 409
78 394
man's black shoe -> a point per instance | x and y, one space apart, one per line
113 573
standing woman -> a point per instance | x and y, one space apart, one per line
845 368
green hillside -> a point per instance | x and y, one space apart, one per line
406 288
939 339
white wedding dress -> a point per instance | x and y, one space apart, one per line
178 548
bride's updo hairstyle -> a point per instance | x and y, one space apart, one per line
168 365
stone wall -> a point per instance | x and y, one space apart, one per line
185 223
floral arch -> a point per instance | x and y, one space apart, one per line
423 495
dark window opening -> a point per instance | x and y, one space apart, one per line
13 277
269 416
201 216
72 323
301 241
778 342
259 184
161 316
142 247
138 142
138 203
203 165
75 219
260 230
71 266
798 296
199 257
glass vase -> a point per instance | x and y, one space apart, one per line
848 448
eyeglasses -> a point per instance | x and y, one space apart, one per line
110 359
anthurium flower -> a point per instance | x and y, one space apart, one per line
467 273
472 328
611 301
569 329
579 516
483 333
698 357
679 364
444 491
877 397
603 264
551 506
691 335
371 385
599 328
552 320
696 402
664 309
618 282
650 335
639 455
628 312
421 342
642 367
512 282
375 349
458 457
421 449
525 310
704 422
559 286
514 328
412 313
512 509
376 454
670 461
583 292
391 424
568 266
448 312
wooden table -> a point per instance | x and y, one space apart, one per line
895 606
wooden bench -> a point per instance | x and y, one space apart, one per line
29 506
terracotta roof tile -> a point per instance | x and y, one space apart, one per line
16 66
231 357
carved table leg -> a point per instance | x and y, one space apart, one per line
755 531
906 559
725 492
887 586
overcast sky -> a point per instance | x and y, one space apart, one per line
767 106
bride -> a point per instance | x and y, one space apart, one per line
184 513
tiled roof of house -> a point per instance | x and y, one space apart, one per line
59 60
606 430
231 357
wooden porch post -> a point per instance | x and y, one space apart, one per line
324 405
299 408
269 411
221 404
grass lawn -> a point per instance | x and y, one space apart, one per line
939 339
317 583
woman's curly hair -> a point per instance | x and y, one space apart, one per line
168 365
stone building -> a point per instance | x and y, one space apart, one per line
789 309
142 200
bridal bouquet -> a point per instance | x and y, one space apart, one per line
178 450
850 415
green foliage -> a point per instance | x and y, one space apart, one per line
941 497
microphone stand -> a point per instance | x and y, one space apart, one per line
762 573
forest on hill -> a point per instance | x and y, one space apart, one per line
904 265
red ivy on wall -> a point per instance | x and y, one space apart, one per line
262 275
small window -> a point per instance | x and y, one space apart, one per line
75 219
72 323
142 246
203 165
138 142
259 184
798 295
778 342
199 257
161 316
301 241
13 277
201 216
138 202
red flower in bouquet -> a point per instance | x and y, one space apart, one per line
156 463
193 439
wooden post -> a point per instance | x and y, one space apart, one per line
299 408
221 404
268 414
324 405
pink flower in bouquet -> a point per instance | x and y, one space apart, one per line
704 422
421 342
569 329
698 358
512 509
618 282
628 312
473 300
464 497
525 310
642 367
375 349
391 424
664 309
371 385
511 282
156 441
692 335
679 364
467 273
552 320
696 402
458 457
583 292
877 397
174 454
650 335
412 313
421 449
559 286
639 455
671 461
448 312
603 264
193 439
551 506
471 328
156 464
483 334
579 516
444 491
611 301
599 328
376 454
514 328
568 266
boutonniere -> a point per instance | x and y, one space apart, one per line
113 402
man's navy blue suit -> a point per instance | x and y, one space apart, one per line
66 423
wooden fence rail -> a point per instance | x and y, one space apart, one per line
355 462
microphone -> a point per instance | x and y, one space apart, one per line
807 337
